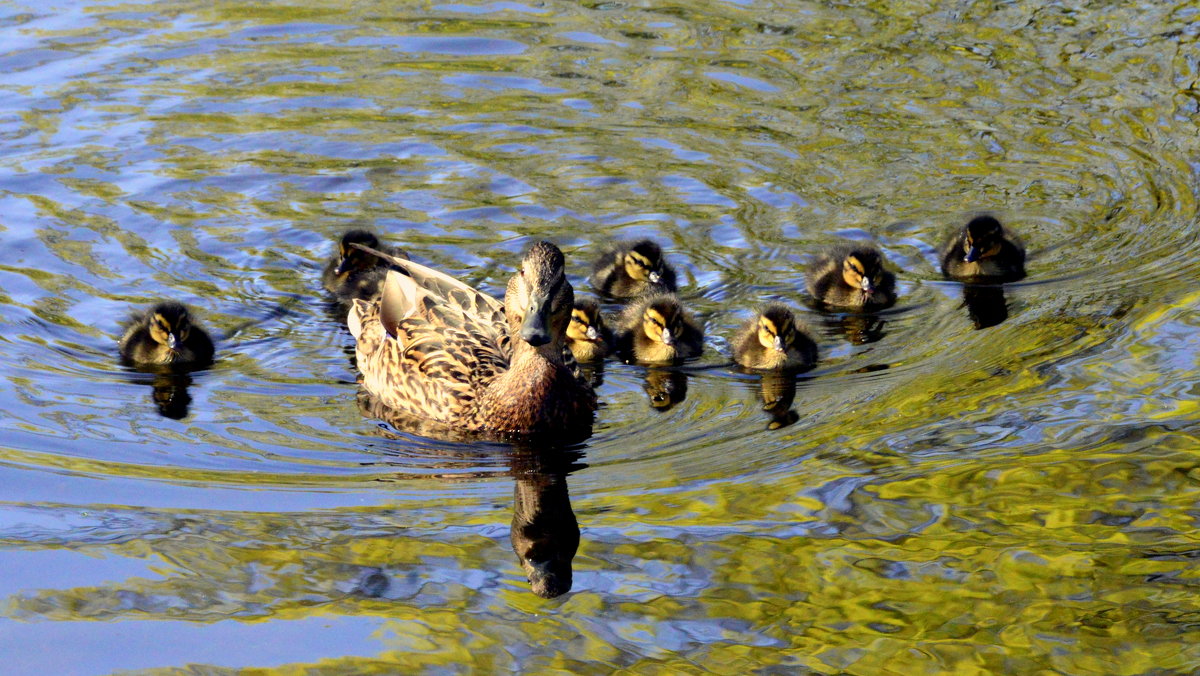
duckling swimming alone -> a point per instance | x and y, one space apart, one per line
774 340
852 276
165 335
587 336
631 269
353 273
656 329
984 250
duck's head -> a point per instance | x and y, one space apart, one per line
982 238
352 258
586 324
644 262
662 320
169 325
776 328
863 269
539 296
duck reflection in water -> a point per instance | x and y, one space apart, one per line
857 329
985 305
544 532
665 388
171 394
778 392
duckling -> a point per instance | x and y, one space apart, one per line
656 329
852 276
165 335
774 340
587 336
353 273
632 269
984 250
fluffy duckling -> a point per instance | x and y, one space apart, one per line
632 269
852 276
774 340
587 336
353 273
656 329
165 335
984 250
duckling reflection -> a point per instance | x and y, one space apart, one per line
857 329
986 305
665 387
778 391
545 533
171 394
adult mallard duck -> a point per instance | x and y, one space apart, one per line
434 348
852 276
774 340
984 251
165 335
632 269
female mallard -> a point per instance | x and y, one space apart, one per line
631 269
434 348
587 336
353 273
657 330
774 340
984 251
165 335
852 276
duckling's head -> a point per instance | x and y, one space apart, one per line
169 324
586 324
982 238
644 262
776 328
353 258
539 296
863 269
663 321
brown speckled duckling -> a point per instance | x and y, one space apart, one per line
774 340
353 273
632 269
587 336
852 276
657 330
985 251
165 335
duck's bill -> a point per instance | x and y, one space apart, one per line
535 328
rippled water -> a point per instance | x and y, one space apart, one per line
1005 485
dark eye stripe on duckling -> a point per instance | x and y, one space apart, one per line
640 260
856 265
656 318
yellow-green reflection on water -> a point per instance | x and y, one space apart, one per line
997 482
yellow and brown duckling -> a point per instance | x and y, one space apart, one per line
165 335
852 276
657 330
353 273
587 336
633 269
775 340
984 250
436 349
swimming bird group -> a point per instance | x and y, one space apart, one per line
433 348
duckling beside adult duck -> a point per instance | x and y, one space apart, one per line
352 272
774 340
434 348
657 330
852 276
632 269
587 336
165 335
985 251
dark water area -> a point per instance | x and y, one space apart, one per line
995 479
